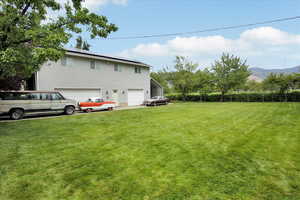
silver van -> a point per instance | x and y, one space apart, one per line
20 103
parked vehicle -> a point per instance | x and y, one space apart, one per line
17 104
96 103
156 101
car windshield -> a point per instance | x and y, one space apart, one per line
94 100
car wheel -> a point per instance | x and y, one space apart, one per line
16 114
88 110
69 110
110 108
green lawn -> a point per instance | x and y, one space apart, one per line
182 151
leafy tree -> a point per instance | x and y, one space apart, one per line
230 72
163 77
271 83
80 44
28 38
183 78
204 83
281 83
296 81
254 86
86 46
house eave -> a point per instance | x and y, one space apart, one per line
86 54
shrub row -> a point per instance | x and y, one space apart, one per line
241 97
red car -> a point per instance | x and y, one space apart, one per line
96 103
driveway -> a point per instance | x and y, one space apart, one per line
47 116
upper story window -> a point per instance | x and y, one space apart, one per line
93 64
64 61
117 68
137 70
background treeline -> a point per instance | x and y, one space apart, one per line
226 80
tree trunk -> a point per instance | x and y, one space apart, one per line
222 96
285 97
184 97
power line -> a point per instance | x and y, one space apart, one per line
204 30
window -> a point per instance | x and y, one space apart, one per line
99 100
64 61
34 96
56 96
137 70
93 64
14 96
45 96
116 67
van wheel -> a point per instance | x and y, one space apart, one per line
17 114
110 108
69 110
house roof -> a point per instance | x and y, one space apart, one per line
87 54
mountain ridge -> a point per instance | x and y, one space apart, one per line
262 73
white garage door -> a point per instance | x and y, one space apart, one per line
80 94
135 97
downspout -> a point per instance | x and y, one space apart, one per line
36 80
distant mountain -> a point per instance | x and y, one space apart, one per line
262 73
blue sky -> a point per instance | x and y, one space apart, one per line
268 46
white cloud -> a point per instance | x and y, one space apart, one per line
96 3
269 35
257 45
153 49
90 4
93 4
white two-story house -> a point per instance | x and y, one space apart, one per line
81 75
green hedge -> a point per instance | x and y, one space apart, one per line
241 97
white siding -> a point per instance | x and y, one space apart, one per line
78 74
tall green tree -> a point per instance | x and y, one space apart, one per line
183 78
296 81
281 83
230 72
163 77
204 83
86 46
28 38
254 86
271 83
80 44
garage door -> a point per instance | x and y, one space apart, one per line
135 97
80 94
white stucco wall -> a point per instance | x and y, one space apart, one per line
78 74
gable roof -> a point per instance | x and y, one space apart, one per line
87 54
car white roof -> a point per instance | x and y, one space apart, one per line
93 98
